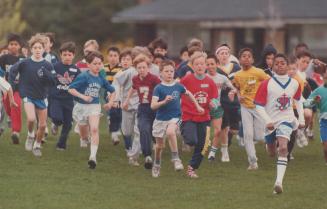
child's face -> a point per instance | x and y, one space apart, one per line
37 50
88 49
167 73
292 70
113 58
280 66
270 60
199 65
96 65
157 61
246 59
126 61
184 56
161 51
13 47
303 63
142 69
67 57
223 56
211 66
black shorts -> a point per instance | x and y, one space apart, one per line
231 118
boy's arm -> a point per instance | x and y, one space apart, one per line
5 87
299 108
75 93
192 98
126 102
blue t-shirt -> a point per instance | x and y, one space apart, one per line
65 76
173 108
90 85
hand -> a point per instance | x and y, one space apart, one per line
13 104
231 95
241 99
270 126
301 125
87 98
168 99
212 105
125 106
199 109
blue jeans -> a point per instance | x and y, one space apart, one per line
145 117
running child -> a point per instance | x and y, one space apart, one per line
87 110
166 101
274 100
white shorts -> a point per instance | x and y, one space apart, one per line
81 112
159 127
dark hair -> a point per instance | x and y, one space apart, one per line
68 46
157 55
51 36
280 55
211 56
113 49
193 49
125 53
303 54
90 56
245 50
14 37
183 49
158 43
300 45
165 63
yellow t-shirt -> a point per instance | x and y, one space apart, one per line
247 82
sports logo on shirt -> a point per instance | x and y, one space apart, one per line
201 97
65 79
175 95
283 102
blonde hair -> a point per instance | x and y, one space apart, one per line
37 38
197 55
141 58
137 50
92 42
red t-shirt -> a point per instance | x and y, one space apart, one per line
82 65
145 87
204 91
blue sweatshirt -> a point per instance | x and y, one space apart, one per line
34 78
65 75
90 85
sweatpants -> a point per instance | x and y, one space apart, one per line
131 133
15 113
194 134
145 117
253 129
61 114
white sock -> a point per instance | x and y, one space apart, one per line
36 145
31 134
281 168
94 150
224 148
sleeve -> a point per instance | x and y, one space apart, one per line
79 81
298 94
2 72
263 75
50 75
228 83
182 88
235 82
134 86
312 100
14 70
102 73
262 93
4 85
107 86
156 92
121 77
214 90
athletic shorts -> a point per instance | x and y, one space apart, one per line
323 130
159 127
81 112
38 103
216 113
231 118
283 130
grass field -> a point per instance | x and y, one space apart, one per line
62 180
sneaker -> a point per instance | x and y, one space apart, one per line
54 129
29 143
15 138
44 140
37 151
60 148
178 165
225 157
191 172
278 188
309 133
132 161
186 148
253 167
211 156
115 140
83 143
92 163
148 162
156 171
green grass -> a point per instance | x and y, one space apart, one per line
61 180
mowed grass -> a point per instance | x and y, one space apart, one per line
62 180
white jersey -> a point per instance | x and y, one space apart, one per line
276 95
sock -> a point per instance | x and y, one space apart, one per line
94 149
224 148
174 156
31 134
281 168
213 150
36 145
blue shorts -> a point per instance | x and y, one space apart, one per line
39 103
323 130
283 130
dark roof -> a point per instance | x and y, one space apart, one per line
223 10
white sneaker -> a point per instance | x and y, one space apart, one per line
37 151
303 138
278 188
186 148
299 138
225 157
29 143
253 167
148 162
178 165
309 133
83 143
132 161
54 129
115 139
155 171
211 156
